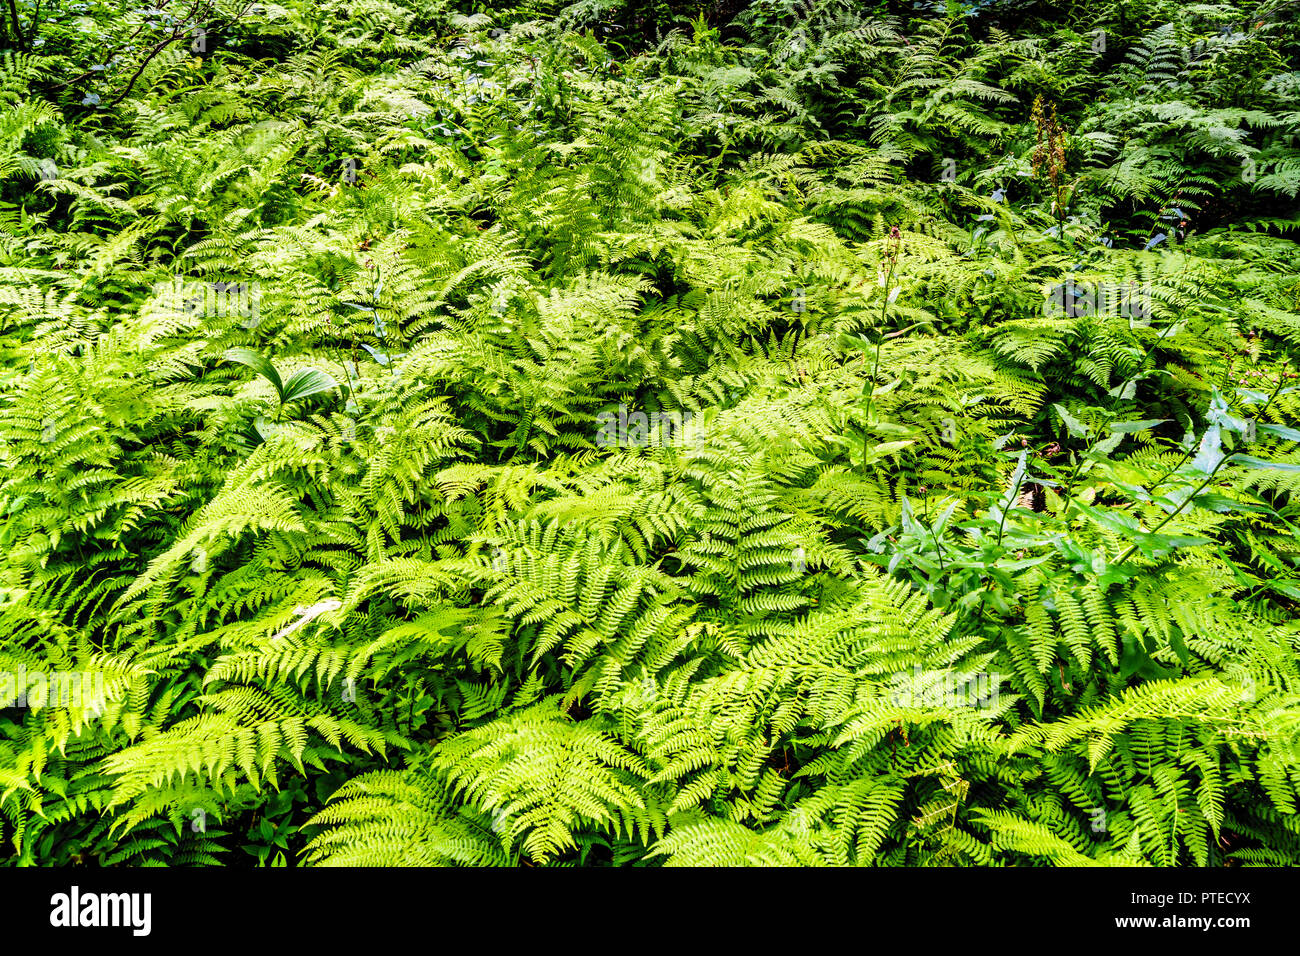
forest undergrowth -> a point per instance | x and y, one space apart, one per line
626 433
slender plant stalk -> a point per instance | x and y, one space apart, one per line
925 504
1015 493
880 341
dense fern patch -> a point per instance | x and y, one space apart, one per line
615 434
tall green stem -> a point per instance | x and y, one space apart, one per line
875 368
1015 493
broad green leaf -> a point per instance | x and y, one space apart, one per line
1210 453
1072 424
305 382
1290 434
258 363
885 449
1221 504
1261 463
1128 428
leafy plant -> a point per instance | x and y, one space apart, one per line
754 439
